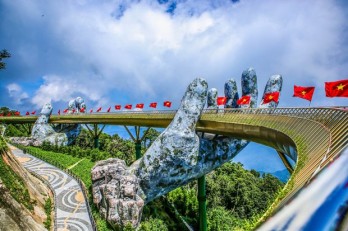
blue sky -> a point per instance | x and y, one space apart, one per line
131 51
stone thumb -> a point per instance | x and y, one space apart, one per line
191 106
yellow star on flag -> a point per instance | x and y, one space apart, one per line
270 97
304 92
340 87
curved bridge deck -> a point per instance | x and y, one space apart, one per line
311 136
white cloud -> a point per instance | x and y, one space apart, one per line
81 48
16 93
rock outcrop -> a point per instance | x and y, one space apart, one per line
13 215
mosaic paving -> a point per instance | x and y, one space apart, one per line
71 210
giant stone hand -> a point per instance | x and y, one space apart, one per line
216 150
62 134
176 157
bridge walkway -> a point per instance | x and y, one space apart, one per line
70 204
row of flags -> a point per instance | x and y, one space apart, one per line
117 107
16 113
332 89
245 100
128 107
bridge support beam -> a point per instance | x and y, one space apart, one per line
137 139
202 204
285 162
95 134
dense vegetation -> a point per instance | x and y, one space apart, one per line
14 129
48 209
236 198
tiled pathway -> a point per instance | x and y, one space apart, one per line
71 210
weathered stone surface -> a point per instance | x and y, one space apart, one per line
25 141
212 99
274 84
116 193
249 86
176 157
231 94
75 106
172 155
62 134
42 131
13 215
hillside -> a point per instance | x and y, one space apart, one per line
22 196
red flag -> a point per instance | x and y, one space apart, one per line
117 107
1 114
108 109
337 88
140 105
244 100
33 113
167 103
82 110
273 96
27 113
59 112
90 111
65 111
303 92
221 100
17 113
99 109
128 106
154 105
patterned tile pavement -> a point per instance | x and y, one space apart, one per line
71 210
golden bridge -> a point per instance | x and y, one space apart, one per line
312 137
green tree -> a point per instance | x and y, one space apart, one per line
220 219
17 130
4 110
242 192
186 202
153 224
150 137
3 54
84 140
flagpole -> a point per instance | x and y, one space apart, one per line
309 103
